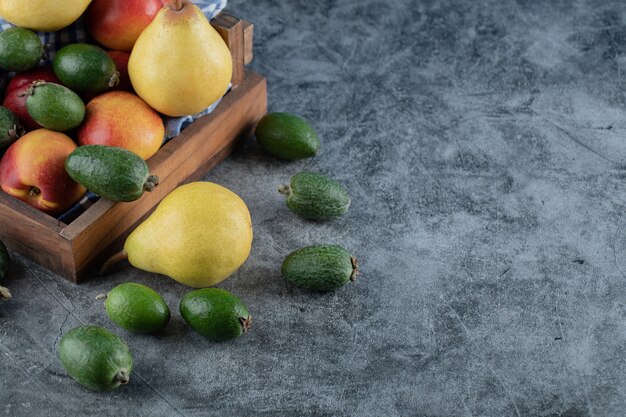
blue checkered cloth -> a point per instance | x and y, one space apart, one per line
78 33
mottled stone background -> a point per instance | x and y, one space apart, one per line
483 143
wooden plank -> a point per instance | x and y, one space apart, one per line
189 156
231 30
248 42
28 231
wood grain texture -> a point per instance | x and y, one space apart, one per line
31 232
248 42
231 29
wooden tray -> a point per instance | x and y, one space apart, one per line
74 251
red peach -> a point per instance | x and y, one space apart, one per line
26 78
122 119
117 24
33 170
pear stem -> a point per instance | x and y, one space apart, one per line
112 261
175 5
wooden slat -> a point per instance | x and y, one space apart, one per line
189 156
248 42
231 30
31 232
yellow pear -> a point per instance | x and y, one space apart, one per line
180 65
199 235
42 15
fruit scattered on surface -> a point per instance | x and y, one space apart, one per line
215 313
198 235
117 24
315 196
287 136
54 106
111 172
42 15
137 308
85 68
5 264
95 358
122 119
33 170
180 64
320 267
20 49
10 128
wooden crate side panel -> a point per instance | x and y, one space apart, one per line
189 156
27 230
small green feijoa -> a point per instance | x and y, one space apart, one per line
85 68
287 136
216 314
320 267
10 128
20 49
315 196
95 358
54 106
137 308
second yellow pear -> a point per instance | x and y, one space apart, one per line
180 65
43 15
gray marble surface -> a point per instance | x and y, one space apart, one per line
483 143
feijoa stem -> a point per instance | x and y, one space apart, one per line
112 261
114 80
122 376
355 269
284 189
150 183
245 323
16 132
4 293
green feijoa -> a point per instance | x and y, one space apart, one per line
20 49
287 136
85 68
320 267
10 128
5 263
137 308
214 313
315 197
54 106
95 358
111 172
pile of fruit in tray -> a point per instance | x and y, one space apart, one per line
62 125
